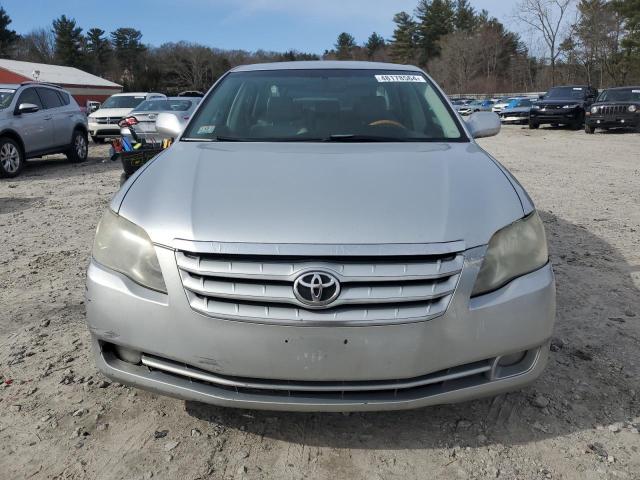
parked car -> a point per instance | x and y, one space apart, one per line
103 123
615 108
142 120
517 111
502 104
476 106
39 119
322 236
563 106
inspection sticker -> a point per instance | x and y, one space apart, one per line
401 78
578 88
206 129
635 91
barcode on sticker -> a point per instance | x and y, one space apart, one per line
401 78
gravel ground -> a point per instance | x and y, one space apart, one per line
60 419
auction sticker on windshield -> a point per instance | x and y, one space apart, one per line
400 78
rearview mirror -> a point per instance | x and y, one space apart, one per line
27 108
483 124
168 125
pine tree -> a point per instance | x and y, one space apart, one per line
69 42
435 19
465 16
129 51
98 50
374 43
8 37
403 43
344 46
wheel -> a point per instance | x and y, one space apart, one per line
555 125
589 129
97 140
577 123
11 158
533 125
78 150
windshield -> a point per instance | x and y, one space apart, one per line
520 102
566 93
620 95
6 95
123 101
324 105
164 106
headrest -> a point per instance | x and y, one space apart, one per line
280 109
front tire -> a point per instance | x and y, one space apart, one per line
589 129
79 148
533 125
11 158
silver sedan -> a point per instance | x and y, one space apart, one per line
142 121
323 236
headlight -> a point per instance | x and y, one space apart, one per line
126 248
516 250
594 110
535 107
574 105
632 108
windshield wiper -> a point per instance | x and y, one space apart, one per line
352 137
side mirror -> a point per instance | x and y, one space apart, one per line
540 97
27 108
483 124
168 125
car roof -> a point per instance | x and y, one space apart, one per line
134 94
327 65
623 88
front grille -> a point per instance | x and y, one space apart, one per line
436 382
374 290
612 110
108 120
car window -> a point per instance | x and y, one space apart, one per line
64 97
123 101
29 95
6 96
620 95
566 93
49 97
164 105
322 104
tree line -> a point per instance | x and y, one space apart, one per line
469 51
463 49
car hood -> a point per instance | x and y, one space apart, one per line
110 112
516 110
561 102
357 193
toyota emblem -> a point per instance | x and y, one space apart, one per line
316 289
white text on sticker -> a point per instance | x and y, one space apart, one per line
401 78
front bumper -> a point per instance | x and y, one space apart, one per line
104 130
514 119
555 116
471 334
618 121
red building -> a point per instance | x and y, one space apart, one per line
82 85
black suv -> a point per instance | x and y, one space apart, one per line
615 108
563 106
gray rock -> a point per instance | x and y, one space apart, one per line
170 446
540 401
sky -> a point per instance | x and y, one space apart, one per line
279 25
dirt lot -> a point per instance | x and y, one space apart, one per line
60 419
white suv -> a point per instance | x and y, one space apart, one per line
38 119
103 123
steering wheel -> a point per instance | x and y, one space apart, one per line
392 123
